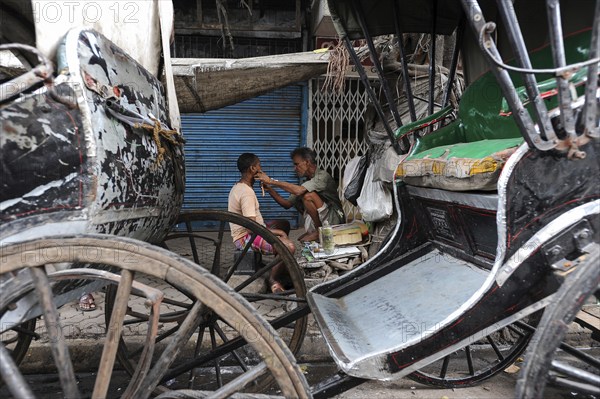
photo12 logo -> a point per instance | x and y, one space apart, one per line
85 11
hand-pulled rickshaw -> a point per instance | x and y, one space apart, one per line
497 202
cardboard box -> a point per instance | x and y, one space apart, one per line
350 233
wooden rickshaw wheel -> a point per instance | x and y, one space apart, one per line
472 364
18 339
582 373
129 265
213 250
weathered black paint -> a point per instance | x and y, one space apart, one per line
545 185
41 143
59 155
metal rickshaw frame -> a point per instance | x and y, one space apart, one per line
543 231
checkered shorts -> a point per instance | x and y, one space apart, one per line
259 244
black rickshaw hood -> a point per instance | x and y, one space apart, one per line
415 16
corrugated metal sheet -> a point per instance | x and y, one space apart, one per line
270 126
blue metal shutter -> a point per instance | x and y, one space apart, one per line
270 126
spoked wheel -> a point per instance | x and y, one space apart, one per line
576 370
481 360
214 347
129 265
17 339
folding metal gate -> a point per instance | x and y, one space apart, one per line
337 128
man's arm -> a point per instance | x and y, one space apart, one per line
289 187
283 202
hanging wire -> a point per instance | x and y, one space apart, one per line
337 67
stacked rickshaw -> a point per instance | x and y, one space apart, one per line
495 249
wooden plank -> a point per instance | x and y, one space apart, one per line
588 319
166 28
205 84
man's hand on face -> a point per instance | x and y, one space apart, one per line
262 176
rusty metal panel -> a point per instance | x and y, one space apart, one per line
270 126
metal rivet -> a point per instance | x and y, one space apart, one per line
583 234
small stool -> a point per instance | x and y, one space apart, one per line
249 264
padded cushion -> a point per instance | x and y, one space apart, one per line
469 153
459 167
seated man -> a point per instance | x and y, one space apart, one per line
317 198
243 201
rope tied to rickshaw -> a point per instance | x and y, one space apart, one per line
150 123
159 132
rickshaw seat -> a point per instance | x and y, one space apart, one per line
362 327
459 166
469 153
